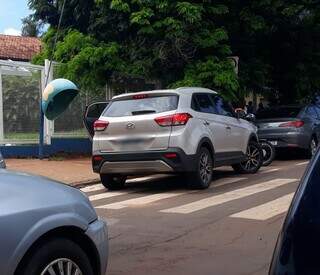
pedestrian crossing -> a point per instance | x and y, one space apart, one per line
195 201
228 196
228 181
267 210
270 171
105 195
302 163
140 201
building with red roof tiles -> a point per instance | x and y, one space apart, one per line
19 48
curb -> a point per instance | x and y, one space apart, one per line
84 183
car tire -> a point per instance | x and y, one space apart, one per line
201 178
113 182
253 161
54 254
313 145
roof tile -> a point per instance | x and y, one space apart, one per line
19 48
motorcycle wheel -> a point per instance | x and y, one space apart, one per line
268 152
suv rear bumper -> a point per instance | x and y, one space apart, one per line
172 160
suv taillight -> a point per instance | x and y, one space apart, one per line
100 125
294 124
173 120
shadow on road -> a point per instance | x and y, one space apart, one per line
170 182
291 154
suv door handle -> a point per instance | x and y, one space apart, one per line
228 128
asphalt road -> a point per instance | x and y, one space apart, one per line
157 226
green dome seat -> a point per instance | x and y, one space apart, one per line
57 96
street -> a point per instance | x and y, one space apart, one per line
157 226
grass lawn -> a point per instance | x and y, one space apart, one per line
21 136
76 133
34 136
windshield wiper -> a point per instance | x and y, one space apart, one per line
142 112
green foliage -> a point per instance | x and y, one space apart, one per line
187 43
119 5
31 27
20 103
279 46
212 73
158 40
82 55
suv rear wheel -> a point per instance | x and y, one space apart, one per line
201 178
253 161
113 182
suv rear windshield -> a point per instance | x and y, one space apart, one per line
278 112
141 106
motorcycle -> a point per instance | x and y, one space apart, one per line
268 149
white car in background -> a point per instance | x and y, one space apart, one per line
186 131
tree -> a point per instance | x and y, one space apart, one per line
31 27
170 42
278 44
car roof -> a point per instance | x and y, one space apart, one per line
180 91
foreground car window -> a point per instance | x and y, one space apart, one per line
130 107
297 248
313 111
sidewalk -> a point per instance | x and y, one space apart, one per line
71 171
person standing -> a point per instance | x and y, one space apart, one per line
260 107
250 109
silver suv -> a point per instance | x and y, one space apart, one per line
187 131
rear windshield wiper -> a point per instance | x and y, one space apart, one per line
142 112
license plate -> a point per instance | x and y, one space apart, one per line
274 142
130 144
131 141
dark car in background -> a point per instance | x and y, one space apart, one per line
290 126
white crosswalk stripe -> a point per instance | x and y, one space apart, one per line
140 201
106 195
302 163
228 181
267 210
228 196
93 188
269 170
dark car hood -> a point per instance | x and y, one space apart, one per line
21 192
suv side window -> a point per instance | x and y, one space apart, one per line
202 103
222 107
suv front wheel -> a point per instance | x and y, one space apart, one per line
201 178
253 160
113 182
